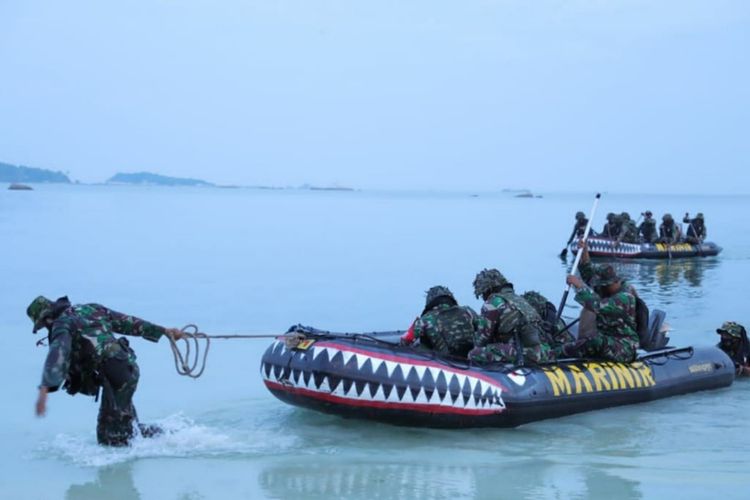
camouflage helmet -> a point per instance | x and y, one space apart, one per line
699 216
625 216
38 310
605 275
436 292
580 215
486 280
667 217
610 217
537 301
731 329
648 213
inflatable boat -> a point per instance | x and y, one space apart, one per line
370 376
603 247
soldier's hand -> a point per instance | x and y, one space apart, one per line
574 280
175 333
41 402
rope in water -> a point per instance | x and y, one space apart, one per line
194 366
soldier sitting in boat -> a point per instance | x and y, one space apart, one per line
647 229
735 343
579 227
669 231
696 231
513 322
444 326
554 331
612 228
601 291
628 229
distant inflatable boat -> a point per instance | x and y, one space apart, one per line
603 247
370 376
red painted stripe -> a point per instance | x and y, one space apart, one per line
424 408
404 359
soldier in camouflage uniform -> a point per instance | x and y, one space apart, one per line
84 355
554 332
669 231
444 326
611 229
696 231
647 229
628 229
512 321
579 227
614 303
735 343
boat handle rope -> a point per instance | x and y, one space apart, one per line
193 366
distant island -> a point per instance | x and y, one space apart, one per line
155 179
13 173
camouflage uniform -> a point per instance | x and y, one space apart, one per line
84 355
696 231
613 226
735 343
444 326
616 338
554 332
669 231
647 229
628 229
579 228
511 320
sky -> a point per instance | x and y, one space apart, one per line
610 95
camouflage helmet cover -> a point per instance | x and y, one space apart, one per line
605 276
625 216
580 215
486 280
436 292
648 213
610 216
666 217
38 310
731 328
699 216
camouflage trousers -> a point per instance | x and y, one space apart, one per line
117 414
600 346
508 353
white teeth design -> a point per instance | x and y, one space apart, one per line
490 394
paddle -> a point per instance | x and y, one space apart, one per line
574 269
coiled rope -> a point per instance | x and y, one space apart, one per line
193 366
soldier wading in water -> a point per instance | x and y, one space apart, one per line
84 355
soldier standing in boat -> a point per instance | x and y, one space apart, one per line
669 231
696 231
444 326
513 322
578 228
84 355
647 229
735 343
601 291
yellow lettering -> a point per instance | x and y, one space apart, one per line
578 377
599 376
623 375
559 381
612 377
648 378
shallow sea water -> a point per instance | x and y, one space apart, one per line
254 261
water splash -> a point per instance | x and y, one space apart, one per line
182 437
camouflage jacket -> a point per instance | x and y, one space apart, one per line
448 329
82 337
628 232
696 228
615 315
508 315
669 232
648 230
610 230
578 229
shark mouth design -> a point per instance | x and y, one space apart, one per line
351 376
608 246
